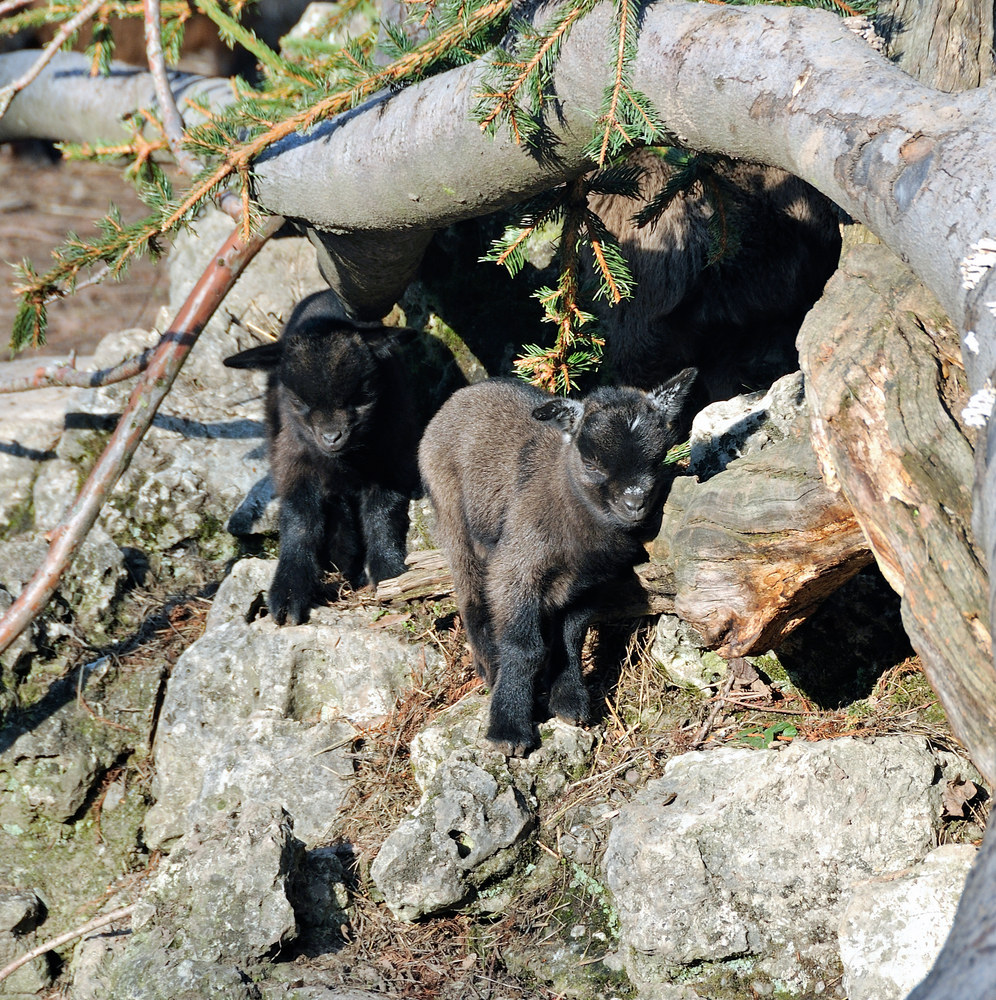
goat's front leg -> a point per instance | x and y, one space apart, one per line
384 521
302 531
521 654
569 699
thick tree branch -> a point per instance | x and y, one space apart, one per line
66 104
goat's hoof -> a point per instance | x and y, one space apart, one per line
513 744
510 749
572 707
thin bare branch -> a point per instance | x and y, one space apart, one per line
71 26
724 693
9 6
164 365
168 111
67 374
91 925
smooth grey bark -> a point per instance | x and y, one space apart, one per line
66 104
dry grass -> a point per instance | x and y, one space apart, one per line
643 723
383 789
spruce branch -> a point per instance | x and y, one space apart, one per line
509 249
538 50
223 136
577 347
148 393
623 17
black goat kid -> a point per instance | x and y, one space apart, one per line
343 433
539 500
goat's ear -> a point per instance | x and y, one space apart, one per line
565 413
265 357
384 339
670 397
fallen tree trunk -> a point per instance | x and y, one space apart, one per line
886 389
756 549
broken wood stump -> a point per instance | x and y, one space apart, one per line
755 548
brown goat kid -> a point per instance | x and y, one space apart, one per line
539 500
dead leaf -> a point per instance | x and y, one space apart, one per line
957 793
386 621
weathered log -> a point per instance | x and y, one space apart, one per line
428 576
756 548
886 387
943 43
648 592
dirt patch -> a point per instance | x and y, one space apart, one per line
40 202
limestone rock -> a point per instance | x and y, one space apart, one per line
29 430
85 594
893 926
751 854
217 905
21 911
744 425
677 647
255 711
477 806
52 757
462 832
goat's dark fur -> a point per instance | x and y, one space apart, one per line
733 319
343 433
539 500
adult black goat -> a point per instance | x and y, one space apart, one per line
538 501
343 432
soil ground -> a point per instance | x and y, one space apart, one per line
41 201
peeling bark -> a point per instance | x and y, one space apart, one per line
886 387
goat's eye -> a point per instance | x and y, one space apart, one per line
592 468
